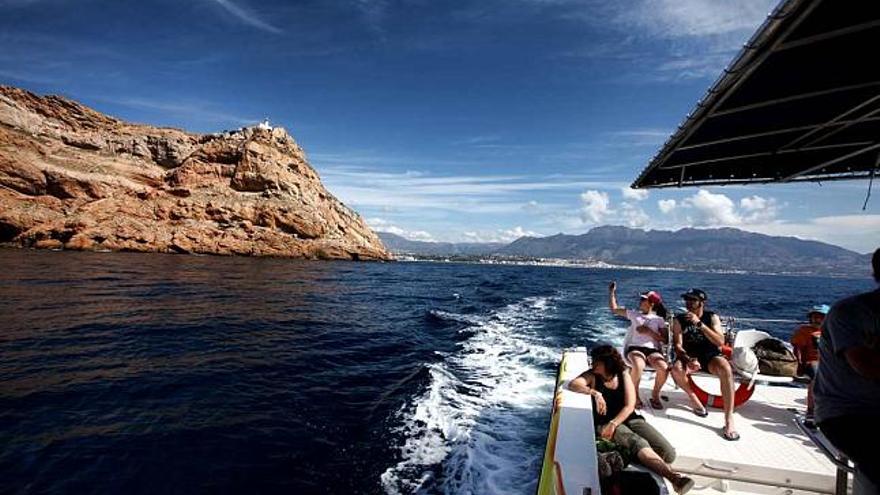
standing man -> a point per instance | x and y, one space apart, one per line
847 386
698 336
806 347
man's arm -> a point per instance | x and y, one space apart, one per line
848 326
865 361
796 343
715 333
676 341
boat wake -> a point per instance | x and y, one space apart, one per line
478 426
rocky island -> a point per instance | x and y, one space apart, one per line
74 178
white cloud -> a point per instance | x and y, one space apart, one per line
500 235
634 194
860 233
595 206
382 225
666 205
633 216
247 17
532 207
757 209
709 209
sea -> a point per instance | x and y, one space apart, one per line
150 373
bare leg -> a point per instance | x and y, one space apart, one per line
662 371
652 461
720 367
638 367
810 399
680 377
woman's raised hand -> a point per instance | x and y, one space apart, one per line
612 286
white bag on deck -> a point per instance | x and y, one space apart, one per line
744 359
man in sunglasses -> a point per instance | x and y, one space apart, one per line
697 337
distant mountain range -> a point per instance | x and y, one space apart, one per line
401 245
693 249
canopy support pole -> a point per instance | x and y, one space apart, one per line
871 182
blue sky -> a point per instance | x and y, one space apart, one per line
465 120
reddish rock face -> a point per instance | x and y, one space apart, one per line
73 178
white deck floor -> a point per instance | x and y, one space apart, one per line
772 455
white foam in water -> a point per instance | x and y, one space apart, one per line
470 428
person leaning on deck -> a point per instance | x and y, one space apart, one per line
806 347
644 340
697 337
614 401
847 386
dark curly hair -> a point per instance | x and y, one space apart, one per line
610 358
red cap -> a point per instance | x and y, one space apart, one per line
653 297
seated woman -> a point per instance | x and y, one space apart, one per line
644 340
614 400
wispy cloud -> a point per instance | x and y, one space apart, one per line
184 110
695 18
462 193
28 77
639 137
247 17
668 40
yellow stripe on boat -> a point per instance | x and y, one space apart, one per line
570 456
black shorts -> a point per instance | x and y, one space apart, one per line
703 357
647 351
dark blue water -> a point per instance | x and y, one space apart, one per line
142 373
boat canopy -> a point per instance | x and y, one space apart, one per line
800 102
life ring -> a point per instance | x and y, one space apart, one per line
742 394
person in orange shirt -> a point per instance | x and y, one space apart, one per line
806 347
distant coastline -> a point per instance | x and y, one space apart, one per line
695 250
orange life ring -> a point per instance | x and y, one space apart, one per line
742 394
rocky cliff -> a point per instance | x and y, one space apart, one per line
73 178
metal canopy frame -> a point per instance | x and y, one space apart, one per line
799 102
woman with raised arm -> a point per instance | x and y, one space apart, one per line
644 340
614 400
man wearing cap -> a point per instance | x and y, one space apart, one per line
806 347
698 337
847 386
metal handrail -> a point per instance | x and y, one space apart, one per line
838 460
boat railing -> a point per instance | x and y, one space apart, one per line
840 461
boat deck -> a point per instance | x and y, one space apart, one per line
772 455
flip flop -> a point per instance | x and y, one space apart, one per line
729 436
701 413
656 404
682 485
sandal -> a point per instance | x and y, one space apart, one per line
703 412
730 436
682 484
656 404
